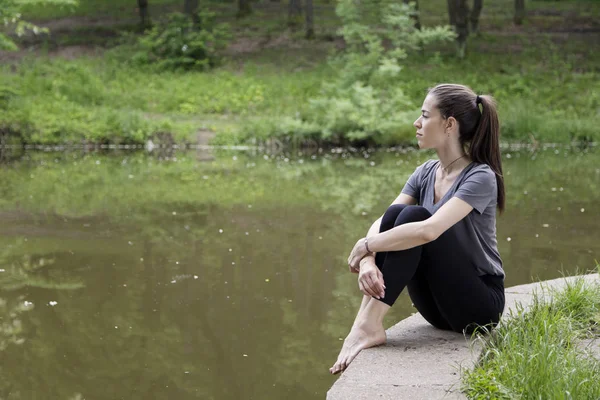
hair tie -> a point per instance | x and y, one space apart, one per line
478 100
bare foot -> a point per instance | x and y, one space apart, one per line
360 337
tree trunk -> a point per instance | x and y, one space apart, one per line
294 13
190 7
310 24
475 13
519 11
244 8
452 12
143 10
462 26
415 16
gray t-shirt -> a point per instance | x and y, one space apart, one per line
476 185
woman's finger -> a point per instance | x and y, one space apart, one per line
380 276
362 288
381 282
369 287
376 284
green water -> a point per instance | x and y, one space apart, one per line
222 275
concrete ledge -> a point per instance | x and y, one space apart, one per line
420 361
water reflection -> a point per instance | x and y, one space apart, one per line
222 276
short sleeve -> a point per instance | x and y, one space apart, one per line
478 189
412 187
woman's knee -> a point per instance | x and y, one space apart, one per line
390 215
412 214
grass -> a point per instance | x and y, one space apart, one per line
534 354
546 84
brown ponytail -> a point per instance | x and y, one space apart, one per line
479 130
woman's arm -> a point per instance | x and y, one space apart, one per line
407 236
374 229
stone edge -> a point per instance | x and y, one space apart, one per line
421 362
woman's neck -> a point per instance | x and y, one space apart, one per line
452 159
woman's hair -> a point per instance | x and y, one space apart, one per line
479 131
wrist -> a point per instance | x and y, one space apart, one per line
366 243
368 260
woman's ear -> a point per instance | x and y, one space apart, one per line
452 124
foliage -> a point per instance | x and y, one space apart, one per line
534 354
181 43
267 94
363 101
11 17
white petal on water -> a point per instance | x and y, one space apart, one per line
174 212
230 250
583 209
2 270
537 235
173 281
245 355
554 189
508 239
234 158
558 208
130 243
52 303
545 225
195 276
220 230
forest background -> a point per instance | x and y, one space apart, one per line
298 72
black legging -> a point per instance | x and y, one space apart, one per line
444 287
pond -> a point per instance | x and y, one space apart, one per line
222 275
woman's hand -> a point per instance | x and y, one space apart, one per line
370 279
358 253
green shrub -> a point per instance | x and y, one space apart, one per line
363 103
183 44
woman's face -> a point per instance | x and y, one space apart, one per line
430 125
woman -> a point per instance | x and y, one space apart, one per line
444 249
